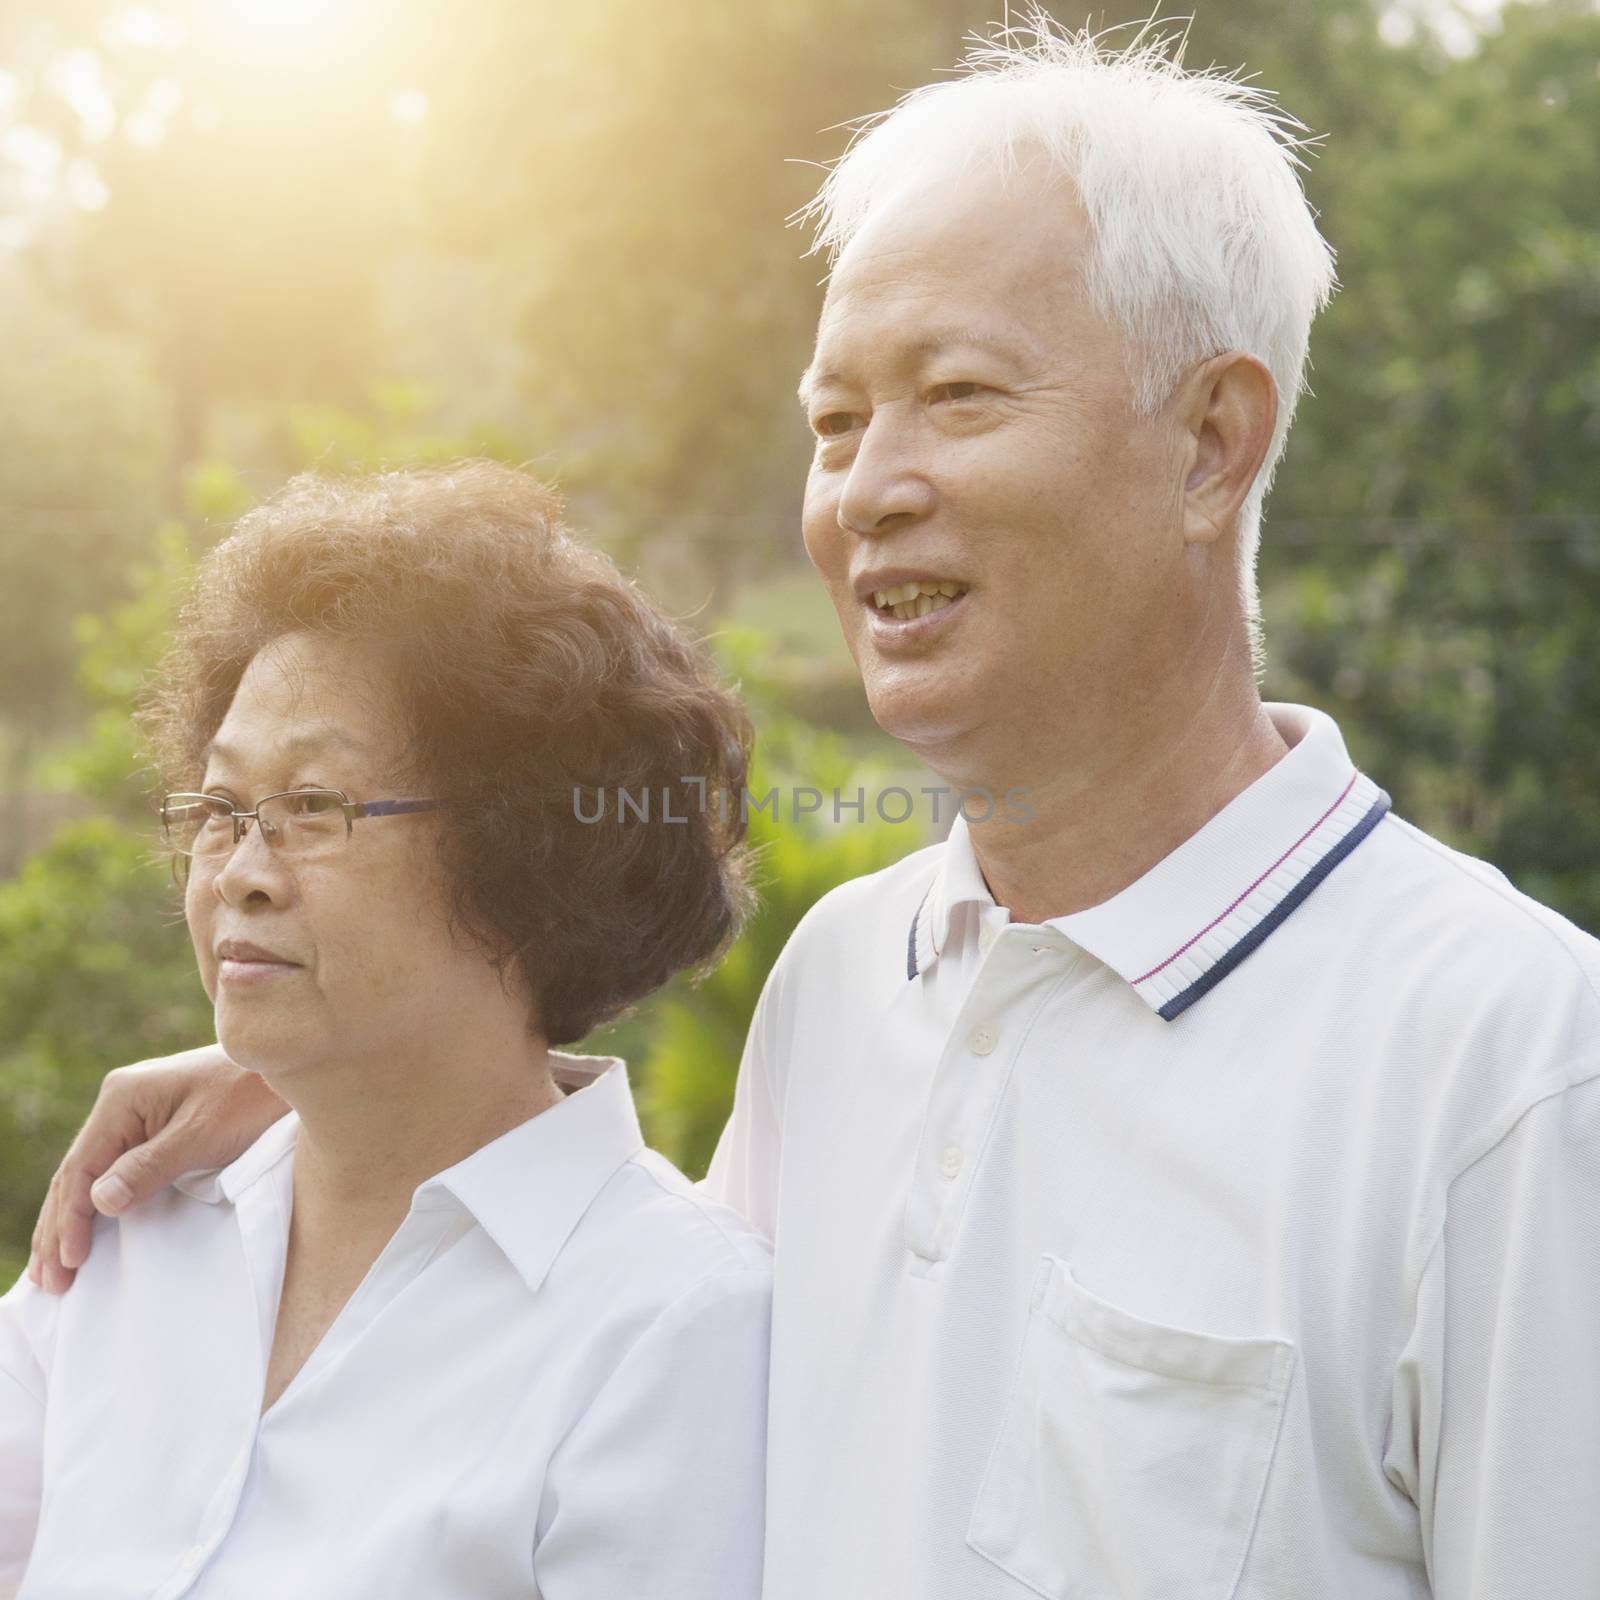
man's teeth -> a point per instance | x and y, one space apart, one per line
908 600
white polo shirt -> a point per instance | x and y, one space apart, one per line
551 1383
1235 1239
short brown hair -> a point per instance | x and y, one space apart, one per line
528 667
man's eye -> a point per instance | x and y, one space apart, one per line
834 423
956 391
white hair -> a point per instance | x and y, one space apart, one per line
1202 239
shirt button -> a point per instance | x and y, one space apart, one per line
982 1039
950 1161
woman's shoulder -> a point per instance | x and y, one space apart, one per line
672 1236
655 1201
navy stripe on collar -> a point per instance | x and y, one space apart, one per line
1257 936
911 938
1249 941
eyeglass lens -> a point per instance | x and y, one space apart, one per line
205 825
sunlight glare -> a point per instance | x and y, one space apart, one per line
283 17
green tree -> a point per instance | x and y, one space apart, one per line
1432 553
80 482
97 967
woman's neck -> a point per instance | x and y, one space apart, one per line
370 1133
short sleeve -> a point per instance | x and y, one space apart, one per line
744 1168
1497 1395
27 1316
659 1490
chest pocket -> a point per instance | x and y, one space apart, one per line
1132 1457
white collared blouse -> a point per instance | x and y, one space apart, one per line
551 1383
1235 1239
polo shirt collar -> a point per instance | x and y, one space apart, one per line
1178 931
527 1189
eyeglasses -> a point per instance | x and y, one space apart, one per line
297 822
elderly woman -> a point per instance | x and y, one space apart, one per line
448 1329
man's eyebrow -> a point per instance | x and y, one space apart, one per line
313 742
930 344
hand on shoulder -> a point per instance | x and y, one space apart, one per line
150 1122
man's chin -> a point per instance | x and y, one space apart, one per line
924 715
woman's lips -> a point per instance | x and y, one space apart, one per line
237 973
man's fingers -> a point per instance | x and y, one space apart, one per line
33 1246
66 1220
80 1191
49 1240
75 1213
51 1275
141 1172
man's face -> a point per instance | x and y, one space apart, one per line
974 431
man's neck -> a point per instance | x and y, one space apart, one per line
1099 825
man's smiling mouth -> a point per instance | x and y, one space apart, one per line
906 601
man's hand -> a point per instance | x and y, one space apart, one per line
150 1123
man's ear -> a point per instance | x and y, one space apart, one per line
1229 406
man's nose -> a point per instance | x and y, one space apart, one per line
887 484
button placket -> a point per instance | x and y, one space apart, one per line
433 1218
968 1084
183 1575
261 1211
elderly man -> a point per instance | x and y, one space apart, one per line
1195 1189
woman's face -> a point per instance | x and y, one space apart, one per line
362 966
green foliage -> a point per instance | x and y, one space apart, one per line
117 653
392 425
1463 673
80 478
1458 394
97 966
1457 372
97 971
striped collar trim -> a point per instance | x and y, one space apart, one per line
1196 915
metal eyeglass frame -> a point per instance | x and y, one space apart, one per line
353 810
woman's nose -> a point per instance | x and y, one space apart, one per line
251 868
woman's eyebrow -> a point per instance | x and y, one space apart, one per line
322 739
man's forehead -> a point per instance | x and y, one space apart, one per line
958 263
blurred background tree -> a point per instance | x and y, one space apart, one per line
243 237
